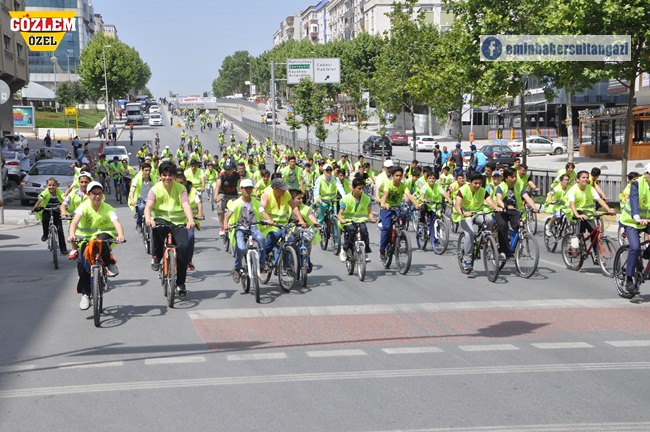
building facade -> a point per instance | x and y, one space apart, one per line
289 30
14 69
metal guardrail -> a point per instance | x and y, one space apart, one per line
610 184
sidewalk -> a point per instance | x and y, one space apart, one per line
17 218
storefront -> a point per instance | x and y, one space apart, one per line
601 132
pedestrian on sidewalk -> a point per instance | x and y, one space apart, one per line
131 135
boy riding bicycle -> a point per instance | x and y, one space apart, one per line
355 206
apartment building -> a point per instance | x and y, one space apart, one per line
13 61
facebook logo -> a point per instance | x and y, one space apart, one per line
491 48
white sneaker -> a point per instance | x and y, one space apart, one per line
575 244
221 231
85 302
368 258
343 256
112 270
548 230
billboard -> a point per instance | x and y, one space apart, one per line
23 116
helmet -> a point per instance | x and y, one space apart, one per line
229 164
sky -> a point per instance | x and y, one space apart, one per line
185 42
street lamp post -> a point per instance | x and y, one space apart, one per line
54 62
106 84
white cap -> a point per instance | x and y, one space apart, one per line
94 184
166 146
327 166
388 163
646 169
85 174
246 183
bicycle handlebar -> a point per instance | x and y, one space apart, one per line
107 241
247 225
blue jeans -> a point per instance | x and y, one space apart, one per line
241 246
190 248
272 239
387 226
635 247
139 211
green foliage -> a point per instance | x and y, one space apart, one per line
88 119
125 70
309 102
321 132
233 74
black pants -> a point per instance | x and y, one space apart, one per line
509 217
83 284
59 227
182 242
349 236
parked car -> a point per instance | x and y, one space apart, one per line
57 153
374 145
155 119
424 143
14 142
36 179
398 137
12 163
268 117
499 154
119 151
538 145
154 109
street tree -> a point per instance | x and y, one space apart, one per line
309 103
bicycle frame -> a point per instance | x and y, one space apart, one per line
594 238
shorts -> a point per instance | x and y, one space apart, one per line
222 207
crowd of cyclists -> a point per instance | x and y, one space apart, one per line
169 190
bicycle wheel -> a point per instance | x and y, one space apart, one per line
149 236
336 238
526 255
325 233
96 292
226 242
573 258
303 267
108 186
621 236
490 257
620 276
54 245
606 252
460 251
287 268
170 280
360 260
254 278
439 236
266 277
388 255
211 198
120 187
550 241
421 236
403 253
531 221
349 262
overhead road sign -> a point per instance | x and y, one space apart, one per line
299 68
327 70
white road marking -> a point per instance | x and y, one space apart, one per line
267 356
16 368
573 427
629 343
171 360
562 345
495 347
412 350
83 365
314 377
413 307
336 353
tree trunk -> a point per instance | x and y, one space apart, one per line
430 120
415 144
522 113
628 133
569 124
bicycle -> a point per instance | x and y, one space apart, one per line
601 249
120 189
559 229
330 228
105 181
484 242
98 275
250 271
435 229
210 194
398 244
169 266
412 215
641 273
53 233
525 249
356 252
530 219
145 231
301 238
282 260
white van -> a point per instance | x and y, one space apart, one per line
268 117
134 113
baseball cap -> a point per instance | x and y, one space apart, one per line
646 169
327 166
458 144
330 155
85 174
94 184
246 183
166 146
388 163
473 147
278 183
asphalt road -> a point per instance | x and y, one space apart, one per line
432 350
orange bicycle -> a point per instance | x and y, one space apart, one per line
601 249
168 267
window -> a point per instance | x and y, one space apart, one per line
7 43
16 5
19 50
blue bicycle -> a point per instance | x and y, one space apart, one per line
282 260
435 228
301 238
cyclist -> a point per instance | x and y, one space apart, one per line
263 183
276 208
510 198
245 210
432 193
140 187
325 189
93 219
167 154
168 202
52 197
196 175
249 143
582 198
292 174
347 186
225 190
556 201
310 219
197 212
471 198
394 192
624 196
183 137
102 168
355 205
128 172
635 217
73 201
381 178
156 141
232 139
210 175
116 169
523 177
570 170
